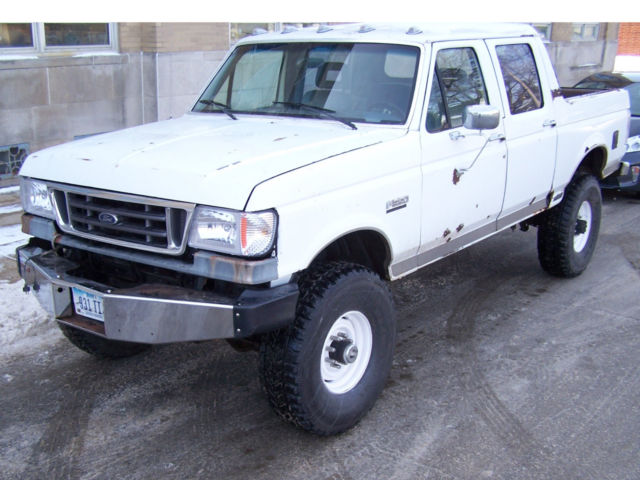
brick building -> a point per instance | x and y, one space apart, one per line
60 81
629 39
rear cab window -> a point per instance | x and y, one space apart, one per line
520 76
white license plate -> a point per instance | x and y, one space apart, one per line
88 304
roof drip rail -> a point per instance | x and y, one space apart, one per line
259 31
324 29
414 31
366 29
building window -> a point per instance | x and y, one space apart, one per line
76 34
52 37
16 35
11 159
544 30
585 32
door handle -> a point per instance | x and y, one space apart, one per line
455 135
549 123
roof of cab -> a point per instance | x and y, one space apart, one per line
395 33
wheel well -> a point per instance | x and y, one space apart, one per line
593 163
365 247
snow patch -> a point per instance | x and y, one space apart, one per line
8 190
6 209
22 320
11 237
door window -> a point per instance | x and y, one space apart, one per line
520 76
457 83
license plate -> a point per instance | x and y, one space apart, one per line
88 304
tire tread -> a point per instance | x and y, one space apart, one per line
555 234
279 352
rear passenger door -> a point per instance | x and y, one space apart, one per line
530 127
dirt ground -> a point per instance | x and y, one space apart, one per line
500 372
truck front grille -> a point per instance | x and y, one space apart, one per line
125 220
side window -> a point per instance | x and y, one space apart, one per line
520 76
457 83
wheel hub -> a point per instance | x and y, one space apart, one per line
582 227
346 352
343 350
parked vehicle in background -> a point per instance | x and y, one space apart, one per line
628 178
317 165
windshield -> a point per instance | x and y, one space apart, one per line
351 82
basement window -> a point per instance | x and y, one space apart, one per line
25 38
11 159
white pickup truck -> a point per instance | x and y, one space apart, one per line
315 166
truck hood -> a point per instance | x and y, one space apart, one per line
207 159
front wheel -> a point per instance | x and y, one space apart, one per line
568 234
325 371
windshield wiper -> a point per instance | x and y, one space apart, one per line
322 111
224 108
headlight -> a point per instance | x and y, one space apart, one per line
233 232
633 144
35 198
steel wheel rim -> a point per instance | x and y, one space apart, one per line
580 239
340 371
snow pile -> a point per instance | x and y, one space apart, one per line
11 237
12 189
22 319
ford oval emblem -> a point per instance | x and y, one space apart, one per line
108 218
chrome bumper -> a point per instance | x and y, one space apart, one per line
154 313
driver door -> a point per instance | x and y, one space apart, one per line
463 171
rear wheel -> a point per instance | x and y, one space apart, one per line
568 234
101 347
325 371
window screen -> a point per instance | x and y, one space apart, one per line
520 76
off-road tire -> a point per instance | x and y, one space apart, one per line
290 359
101 347
560 226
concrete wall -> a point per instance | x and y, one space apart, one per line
179 79
46 101
157 73
574 60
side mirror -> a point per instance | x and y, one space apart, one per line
481 117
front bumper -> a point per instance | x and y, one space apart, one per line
154 314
